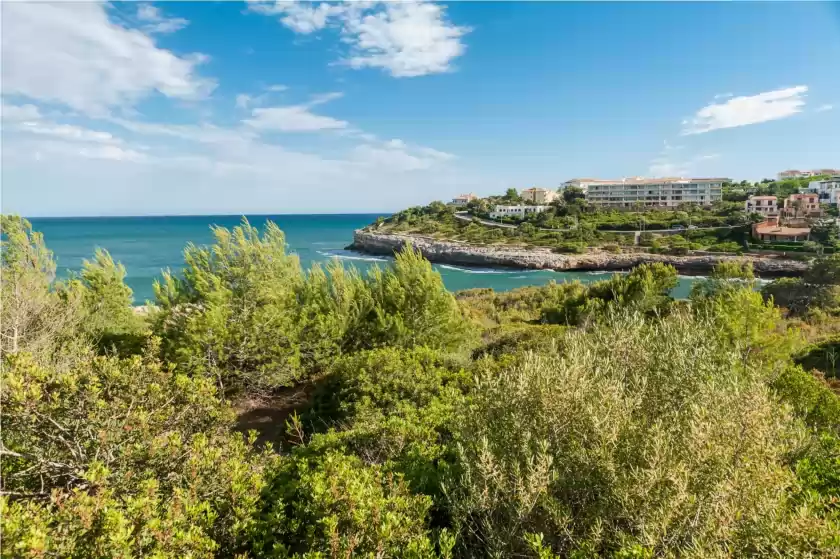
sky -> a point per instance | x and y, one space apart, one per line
270 107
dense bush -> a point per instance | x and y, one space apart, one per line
648 436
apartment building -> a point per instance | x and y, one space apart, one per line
828 190
665 192
538 195
519 211
463 199
764 205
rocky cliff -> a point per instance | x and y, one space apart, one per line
456 252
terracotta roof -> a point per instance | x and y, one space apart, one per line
763 198
763 229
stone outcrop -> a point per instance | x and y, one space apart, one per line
456 252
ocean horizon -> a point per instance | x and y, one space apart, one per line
148 245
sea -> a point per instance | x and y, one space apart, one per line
148 245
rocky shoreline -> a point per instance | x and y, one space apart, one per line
535 258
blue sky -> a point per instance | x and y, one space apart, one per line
286 107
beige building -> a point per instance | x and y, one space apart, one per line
796 174
764 205
665 192
772 230
538 195
803 205
463 199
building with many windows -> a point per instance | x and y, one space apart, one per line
516 211
666 192
538 195
764 205
796 174
828 190
803 205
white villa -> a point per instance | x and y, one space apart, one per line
828 190
516 211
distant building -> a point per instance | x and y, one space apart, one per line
796 174
463 199
828 190
771 230
803 205
764 205
538 195
664 192
516 211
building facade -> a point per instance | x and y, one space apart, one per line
664 192
772 230
796 174
803 205
516 211
463 199
764 205
538 195
828 190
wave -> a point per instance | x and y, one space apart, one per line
346 256
487 270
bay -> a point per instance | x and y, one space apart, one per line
147 245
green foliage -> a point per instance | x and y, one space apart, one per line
120 458
645 289
819 288
33 317
642 435
245 314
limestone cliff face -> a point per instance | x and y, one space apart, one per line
456 252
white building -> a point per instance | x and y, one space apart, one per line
828 190
796 174
666 192
764 205
538 195
516 211
463 199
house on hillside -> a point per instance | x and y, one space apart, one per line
828 190
764 205
538 195
772 230
519 211
803 205
463 199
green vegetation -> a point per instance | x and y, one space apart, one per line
568 420
573 226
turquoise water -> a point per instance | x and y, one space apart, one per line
147 245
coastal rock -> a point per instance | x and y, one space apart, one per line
456 252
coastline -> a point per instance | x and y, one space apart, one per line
537 258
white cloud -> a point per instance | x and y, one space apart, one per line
298 16
406 39
396 155
155 22
742 111
296 118
823 108
20 112
68 132
71 53
670 162
277 88
242 101
113 153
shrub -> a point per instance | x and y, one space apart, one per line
641 435
612 248
570 248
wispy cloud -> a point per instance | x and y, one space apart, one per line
671 162
742 111
823 108
155 22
